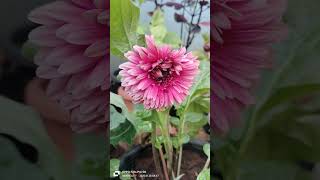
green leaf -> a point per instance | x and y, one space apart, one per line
122 125
91 156
114 166
157 26
172 39
93 167
117 101
159 141
24 124
193 128
14 167
143 126
184 140
124 17
193 117
141 112
206 38
124 133
116 118
141 30
201 84
179 177
202 55
174 120
142 119
204 175
206 150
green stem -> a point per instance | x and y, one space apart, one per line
154 151
165 130
181 131
180 135
179 161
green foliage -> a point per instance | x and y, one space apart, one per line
206 150
141 112
201 86
114 166
122 127
93 166
124 133
125 16
142 119
193 117
192 114
116 118
159 31
24 124
204 175
206 38
159 141
157 26
201 54
176 140
172 39
11 162
193 128
282 127
91 155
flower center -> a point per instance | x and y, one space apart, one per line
162 72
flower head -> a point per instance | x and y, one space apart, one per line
243 32
156 76
72 55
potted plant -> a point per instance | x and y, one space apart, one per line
169 86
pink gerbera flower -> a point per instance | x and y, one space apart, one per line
73 57
243 32
158 77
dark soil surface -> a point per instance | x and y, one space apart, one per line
192 163
116 152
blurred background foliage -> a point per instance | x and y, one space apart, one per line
280 136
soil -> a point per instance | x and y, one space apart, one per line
116 152
192 163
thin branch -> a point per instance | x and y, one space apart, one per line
180 160
207 164
182 24
155 152
199 18
164 165
190 25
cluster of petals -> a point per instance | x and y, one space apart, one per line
242 32
158 76
72 56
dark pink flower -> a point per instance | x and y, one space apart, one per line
158 77
243 32
73 57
